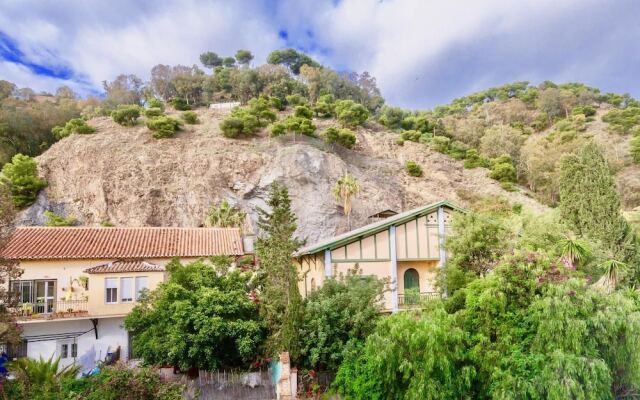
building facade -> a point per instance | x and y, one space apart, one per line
405 248
79 283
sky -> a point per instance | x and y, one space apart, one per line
422 52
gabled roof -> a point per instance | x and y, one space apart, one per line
33 243
376 227
124 266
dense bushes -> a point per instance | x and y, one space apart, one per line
249 119
350 113
180 104
344 137
126 114
53 219
21 176
502 169
75 125
163 126
190 117
413 168
153 112
635 148
622 121
412 136
156 103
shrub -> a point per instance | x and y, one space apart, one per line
300 125
441 144
190 117
241 121
163 127
587 111
53 219
344 137
75 125
324 107
296 100
126 114
261 109
635 148
503 170
622 121
391 117
276 103
350 113
155 103
303 112
412 136
278 129
413 168
153 112
21 175
474 160
180 104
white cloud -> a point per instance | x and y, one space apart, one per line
21 76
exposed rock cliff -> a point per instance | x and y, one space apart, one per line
124 176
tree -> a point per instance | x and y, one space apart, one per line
210 59
590 205
229 62
280 300
350 113
65 92
244 57
291 59
21 177
346 188
6 89
202 317
226 216
125 89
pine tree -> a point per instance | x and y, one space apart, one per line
590 204
280 300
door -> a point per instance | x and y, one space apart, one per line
411 286
45 296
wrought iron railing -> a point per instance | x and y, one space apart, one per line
413 300
51 309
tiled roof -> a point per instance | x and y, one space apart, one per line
121 243
124 266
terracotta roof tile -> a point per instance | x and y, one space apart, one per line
125 266
121 243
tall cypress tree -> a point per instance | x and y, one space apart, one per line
590 204
280 300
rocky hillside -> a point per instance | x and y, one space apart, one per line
125 177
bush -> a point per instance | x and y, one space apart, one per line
324 107
126 114
344 137
180 104
622 121
300 125
153 112
296 100
75 125
278 129
163 127
21 175
413 168
635 148
441 144
350 113
587 111
473 159
155 103
241 121
412 136
303 112
391 117
503 170
190 117
53 219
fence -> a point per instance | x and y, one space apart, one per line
228 385
224 106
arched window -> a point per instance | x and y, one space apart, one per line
411 287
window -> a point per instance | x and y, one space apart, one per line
74 350
68 349
126 289
111 290
64 350
142 283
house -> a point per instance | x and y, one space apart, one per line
80 282
406 248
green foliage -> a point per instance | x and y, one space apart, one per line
296 100
344 137
210 59
419 122
294 125
249 119
202 316
325 106
280 300
189 117
244 57
587 111
38 379
153 112
118 382
473 159
291 59
499 93
126 114
634 148
226 216
180 104
21 176
338 318
350 113
75 125
502 169
413 168
163 126
303 112
412 136
53 219
623 121
391 117
155 103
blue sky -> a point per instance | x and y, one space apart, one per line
423 53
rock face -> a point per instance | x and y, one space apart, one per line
124 176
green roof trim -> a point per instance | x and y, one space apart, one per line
351 236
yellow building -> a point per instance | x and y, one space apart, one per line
79 283
406 248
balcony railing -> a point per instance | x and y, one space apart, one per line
51 309
415 300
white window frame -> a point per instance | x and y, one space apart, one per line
138 286
131 294
67 349
106 291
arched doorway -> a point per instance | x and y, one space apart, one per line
411 286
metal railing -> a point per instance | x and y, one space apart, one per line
51 309
415 300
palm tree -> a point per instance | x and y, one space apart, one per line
613 275
41 376
225 216
345 189
574 251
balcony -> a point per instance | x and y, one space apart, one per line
51 309
415 300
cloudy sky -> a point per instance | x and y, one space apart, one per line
423 52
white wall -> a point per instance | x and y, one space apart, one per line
111 334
